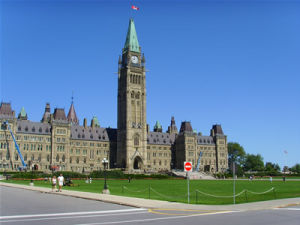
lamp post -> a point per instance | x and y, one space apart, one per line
105 189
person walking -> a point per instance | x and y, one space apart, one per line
61 181
53 181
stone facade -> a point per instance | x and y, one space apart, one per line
58 142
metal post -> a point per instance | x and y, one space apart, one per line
233 170
188 186
105 185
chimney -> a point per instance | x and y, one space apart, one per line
84 123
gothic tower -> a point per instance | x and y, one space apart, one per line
132 127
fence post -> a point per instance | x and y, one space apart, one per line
246 196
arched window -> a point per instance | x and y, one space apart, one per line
33 129
130 78
132 94
70 159
84 160
63 158
57 158
77 160
25 157
48 158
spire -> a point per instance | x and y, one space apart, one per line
172 128
47 114
72 114
157 127
22 115
132 43
95 122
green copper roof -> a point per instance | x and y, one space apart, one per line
96 121
132 43
157 125
23 112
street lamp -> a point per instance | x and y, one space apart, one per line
105 189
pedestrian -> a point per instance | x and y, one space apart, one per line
283 178
61 181
53 183
129 179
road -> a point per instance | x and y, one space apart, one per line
19 206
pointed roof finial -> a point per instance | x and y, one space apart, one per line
72 117
72 98
131 43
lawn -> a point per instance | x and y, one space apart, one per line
201 191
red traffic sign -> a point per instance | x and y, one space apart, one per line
188 166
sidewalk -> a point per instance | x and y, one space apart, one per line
148 203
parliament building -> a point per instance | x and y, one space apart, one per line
59 142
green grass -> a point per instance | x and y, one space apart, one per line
176 190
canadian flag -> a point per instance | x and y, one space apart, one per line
135 7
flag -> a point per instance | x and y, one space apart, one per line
285 152
135 7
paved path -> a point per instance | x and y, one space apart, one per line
152 204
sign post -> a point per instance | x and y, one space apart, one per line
188 168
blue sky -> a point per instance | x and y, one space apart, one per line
235 63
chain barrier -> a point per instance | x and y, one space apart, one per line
220 196
167 197
261 193
231 196
135 191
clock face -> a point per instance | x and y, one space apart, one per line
134 59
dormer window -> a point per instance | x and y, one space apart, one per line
79 136
33 129
91 136
19 128
26 128
40 130
47 130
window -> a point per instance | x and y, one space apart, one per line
63 158
57 158
40 130
19 128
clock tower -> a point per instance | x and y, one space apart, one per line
132 127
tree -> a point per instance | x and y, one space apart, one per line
237 154
272 167
296 168
254 163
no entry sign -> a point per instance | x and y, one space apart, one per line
188 166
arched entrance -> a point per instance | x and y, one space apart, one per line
138 163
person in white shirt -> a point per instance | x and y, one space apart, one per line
61 180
